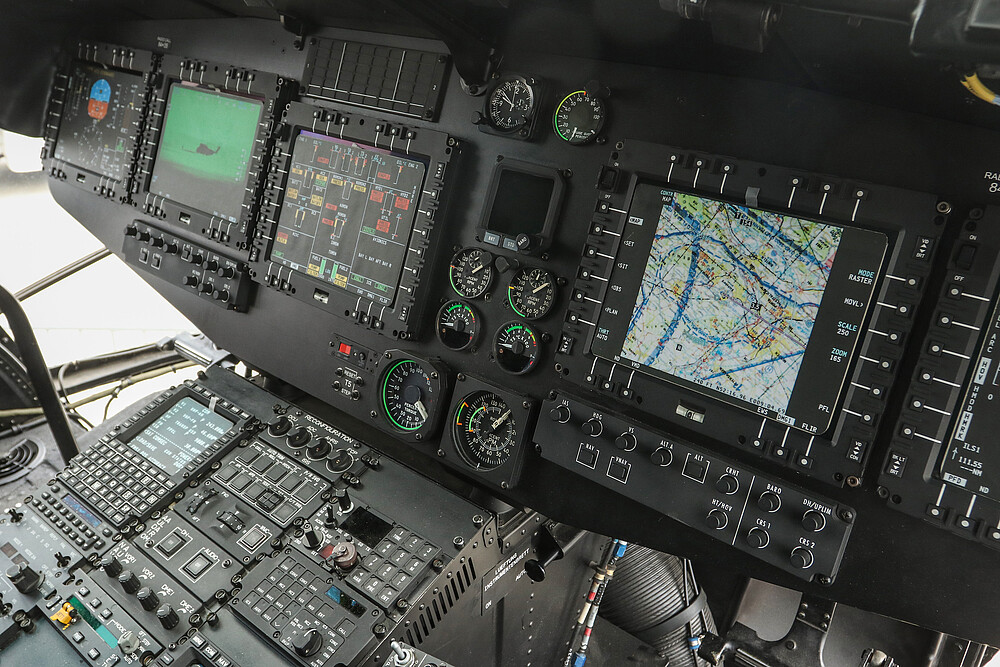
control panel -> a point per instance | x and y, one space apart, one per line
216 278
785 525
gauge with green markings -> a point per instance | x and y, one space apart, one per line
579 117
516 348
471 272
409 394
485 430
532 292
457 325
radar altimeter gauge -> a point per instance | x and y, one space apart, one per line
532 292
471 272
485 430
580 116
457 325
516 348
410 392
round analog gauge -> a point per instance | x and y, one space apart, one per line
532 292
510 103
457 325
340 461
471 272
408 394
579 117
485 430
515 348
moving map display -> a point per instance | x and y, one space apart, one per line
347 214
100 119
740 303
205 148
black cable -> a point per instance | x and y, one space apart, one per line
39 373
63 273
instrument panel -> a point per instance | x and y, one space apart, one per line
461 275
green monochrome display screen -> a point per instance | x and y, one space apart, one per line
205 149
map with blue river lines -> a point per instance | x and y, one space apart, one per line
729 297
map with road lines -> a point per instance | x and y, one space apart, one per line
729 297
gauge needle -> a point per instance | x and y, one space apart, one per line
421 409
502 419
478 269
540 288
504 95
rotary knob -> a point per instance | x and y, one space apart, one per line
717 519
190 281
813 521
227 272
212 264
345 555
279 426
727 484
221 295
769 502
758 538
129 581
560 413
112 566
167 616
299 437
662 456
312 538
626 441
340 461
307 643
801 558
147 598
593 427
144 235
24 578
320 450
131 230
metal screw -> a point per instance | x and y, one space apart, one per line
459 541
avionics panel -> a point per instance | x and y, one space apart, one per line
96 112
761 307
942 464
132 471
756 308
205 147
203 155
349 213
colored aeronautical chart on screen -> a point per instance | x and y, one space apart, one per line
729 297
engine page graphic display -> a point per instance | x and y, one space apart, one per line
179 435
100 119
347 214
740 303
205 149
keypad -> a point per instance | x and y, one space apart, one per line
78 531
384 572
120 483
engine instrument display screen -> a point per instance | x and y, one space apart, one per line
100 119
740 303
347 214
205 148
180 434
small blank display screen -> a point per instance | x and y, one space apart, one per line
366 527
180 434
205 150
521 203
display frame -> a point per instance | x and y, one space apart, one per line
272 90
128 429
831 297
403 318
912 223
539 242
135 62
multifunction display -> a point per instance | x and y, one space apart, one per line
740 303
100 119
971 460
204 154
182 433
347 214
